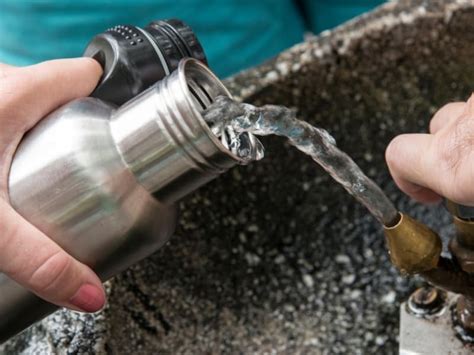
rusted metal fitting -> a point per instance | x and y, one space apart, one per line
413 247
462 249
462 245
463 319
426 301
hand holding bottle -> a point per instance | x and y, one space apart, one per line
26 254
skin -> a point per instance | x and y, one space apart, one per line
440 164
26 254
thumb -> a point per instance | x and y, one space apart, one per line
409 162
40 265
29 93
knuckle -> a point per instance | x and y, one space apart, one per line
454 148
448 154
444 114
455 156
50 272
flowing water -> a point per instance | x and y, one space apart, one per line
237 123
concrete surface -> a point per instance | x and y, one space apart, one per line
275 258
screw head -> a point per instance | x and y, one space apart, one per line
426 301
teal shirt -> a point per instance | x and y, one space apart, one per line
235 34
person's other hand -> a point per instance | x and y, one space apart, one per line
428 166
27 255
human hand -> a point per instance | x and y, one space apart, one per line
428 166
27 255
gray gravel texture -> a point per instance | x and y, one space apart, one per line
275 258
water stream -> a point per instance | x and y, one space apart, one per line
242 121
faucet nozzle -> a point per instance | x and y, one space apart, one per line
413 247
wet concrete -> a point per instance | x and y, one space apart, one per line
276 257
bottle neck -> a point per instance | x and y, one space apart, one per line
163 138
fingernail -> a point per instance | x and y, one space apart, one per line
89 298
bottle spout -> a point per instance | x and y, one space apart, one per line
163 138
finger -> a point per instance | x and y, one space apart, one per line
4 65
408 159
445 115
4 69
32 92
419 193
36 262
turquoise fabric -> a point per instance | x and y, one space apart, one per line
325 14
235 33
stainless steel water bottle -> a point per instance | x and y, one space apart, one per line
102 181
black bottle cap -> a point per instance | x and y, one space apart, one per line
133 59
176 39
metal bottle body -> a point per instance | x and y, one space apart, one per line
102 181
69 179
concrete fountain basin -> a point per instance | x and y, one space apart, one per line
275 257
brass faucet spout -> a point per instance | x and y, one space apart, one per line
413 247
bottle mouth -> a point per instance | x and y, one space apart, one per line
202 87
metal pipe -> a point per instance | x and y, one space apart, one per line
462 249
449 277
